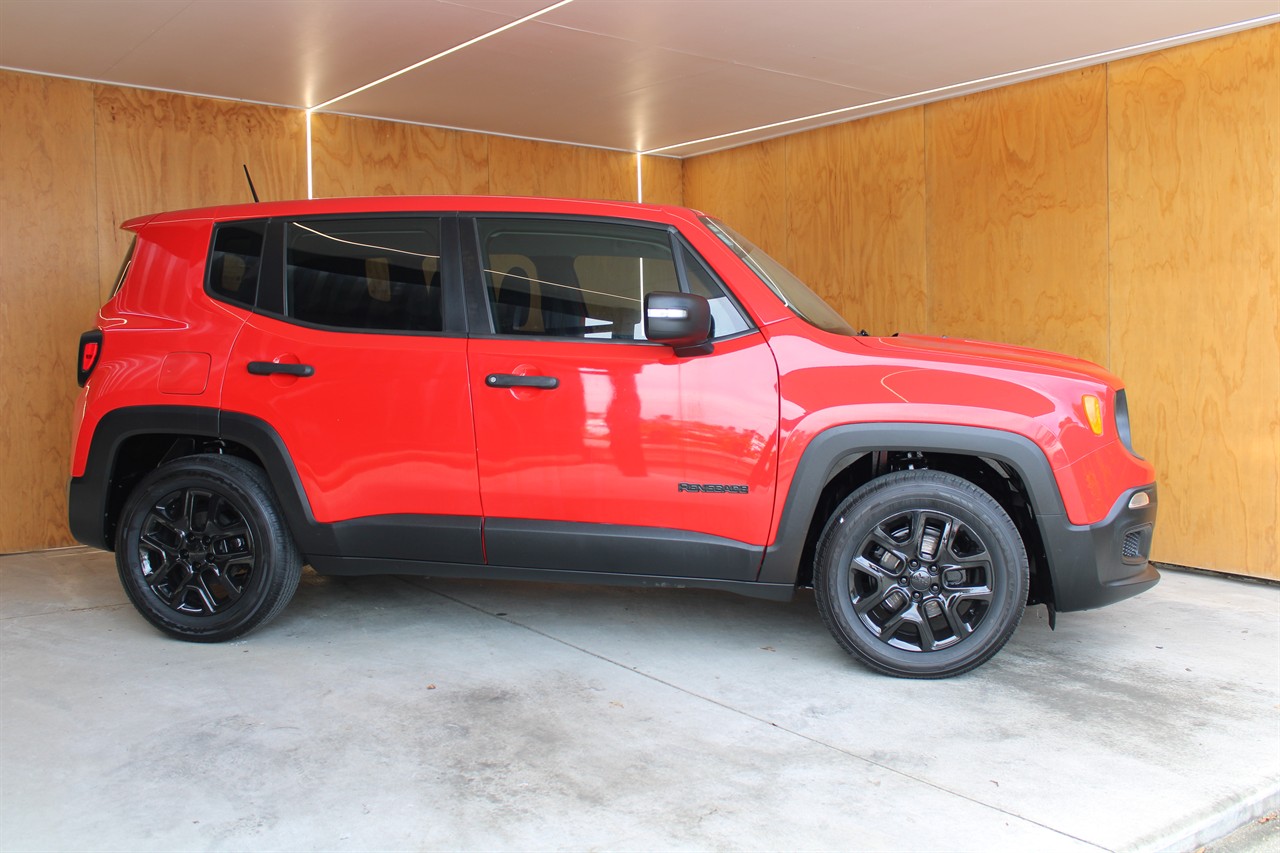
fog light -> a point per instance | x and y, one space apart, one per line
1093 411
1139 500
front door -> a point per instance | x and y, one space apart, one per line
600 451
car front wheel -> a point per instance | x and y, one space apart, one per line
921 574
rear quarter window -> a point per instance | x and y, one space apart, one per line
235 262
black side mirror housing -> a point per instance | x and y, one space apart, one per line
680 320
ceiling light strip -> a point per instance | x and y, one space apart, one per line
306 117
444 53
983 83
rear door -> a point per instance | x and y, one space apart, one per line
355 356
600 451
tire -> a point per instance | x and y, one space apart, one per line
202 550
921 574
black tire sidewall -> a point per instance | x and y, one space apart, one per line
244 487
926 490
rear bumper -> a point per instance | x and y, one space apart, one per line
1099 564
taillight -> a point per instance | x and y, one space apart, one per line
90 352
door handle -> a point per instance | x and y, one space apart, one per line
267 368
511 380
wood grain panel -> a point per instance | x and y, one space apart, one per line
663 180
856 218
1017 214
1195 236
48 278
159 151
526 167
357 157
747 188
887 221
817 213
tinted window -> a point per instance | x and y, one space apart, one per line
579 279
236 261
368 274
726 317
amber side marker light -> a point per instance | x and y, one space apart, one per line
1093 411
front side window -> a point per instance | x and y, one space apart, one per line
374 274
588 280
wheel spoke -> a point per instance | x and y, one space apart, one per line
863 605
927 638
950 611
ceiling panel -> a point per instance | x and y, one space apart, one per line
550 82
626 74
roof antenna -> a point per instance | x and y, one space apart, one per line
250 180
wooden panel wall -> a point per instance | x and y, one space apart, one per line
663 180
1195 307
1017 214
357 157
1129 214
747 188
48 277
526 167
842 206
158 151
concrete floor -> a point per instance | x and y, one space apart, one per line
398 714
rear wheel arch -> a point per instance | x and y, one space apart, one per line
129 443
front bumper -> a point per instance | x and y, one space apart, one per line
1099 564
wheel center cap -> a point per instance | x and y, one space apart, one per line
920 581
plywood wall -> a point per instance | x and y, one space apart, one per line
1195 289
358 157
1128 213
1017 214
48 276
159 151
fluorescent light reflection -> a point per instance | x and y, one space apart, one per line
443 54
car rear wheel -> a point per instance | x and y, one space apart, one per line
202 550
921 574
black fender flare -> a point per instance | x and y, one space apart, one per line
834 449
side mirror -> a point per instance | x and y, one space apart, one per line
680 320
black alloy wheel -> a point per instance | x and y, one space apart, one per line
921 574
202 550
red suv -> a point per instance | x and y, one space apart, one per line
579 391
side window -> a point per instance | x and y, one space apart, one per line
236 261
573 279
365 274
727 317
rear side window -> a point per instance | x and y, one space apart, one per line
236 262
364 274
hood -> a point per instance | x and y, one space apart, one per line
1005 355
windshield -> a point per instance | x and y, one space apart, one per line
806 304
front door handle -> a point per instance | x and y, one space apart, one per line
266 368
512 380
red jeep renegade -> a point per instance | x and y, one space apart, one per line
579 391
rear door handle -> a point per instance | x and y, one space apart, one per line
511 380
266 368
